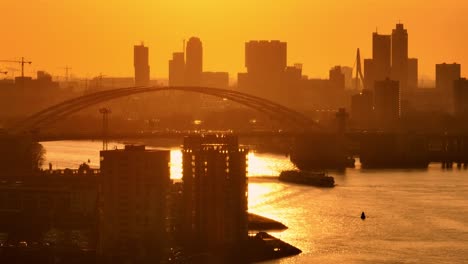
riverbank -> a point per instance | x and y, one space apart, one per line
261 223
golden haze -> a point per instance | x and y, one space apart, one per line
96 36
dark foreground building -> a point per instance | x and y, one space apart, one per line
215 195
134 185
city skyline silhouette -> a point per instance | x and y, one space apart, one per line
210 132
76 34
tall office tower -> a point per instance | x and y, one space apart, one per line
446 74
134 184
264 58
362 109
369 75
412 74
177 69
266 65
381 56
400 56
387 104
460 97
337 78
193 62
215 193
141 64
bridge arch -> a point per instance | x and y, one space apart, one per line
69 107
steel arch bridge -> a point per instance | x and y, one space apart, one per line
62 110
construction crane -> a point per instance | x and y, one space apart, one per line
22 62
66 68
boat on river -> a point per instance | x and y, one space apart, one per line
313 178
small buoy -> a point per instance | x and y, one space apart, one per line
363 216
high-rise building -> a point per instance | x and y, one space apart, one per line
215 192
263 58
412 82
266 67
362 109
141 64
446 74
381 56
400 56
134 184
369 75
387 104
177 69
337 78
390 60
460 97
193 62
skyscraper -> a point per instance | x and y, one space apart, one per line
264 58
141 64
177 69
400 56
381 56
266 70
134 184
194 62
369 75
387 104
215 192
446 74
412 82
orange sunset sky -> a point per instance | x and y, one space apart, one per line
96 36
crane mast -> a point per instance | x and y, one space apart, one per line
22 62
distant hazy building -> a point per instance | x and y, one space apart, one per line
141 64
263 58
24 96
105 83
362 109
387 104
369 75
460 97
446 74
381 56
177 69
215 193
348 73
266 65
337 78
390 60
400 56
215 79
193 62
134 184
412 82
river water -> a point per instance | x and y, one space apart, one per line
413 216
